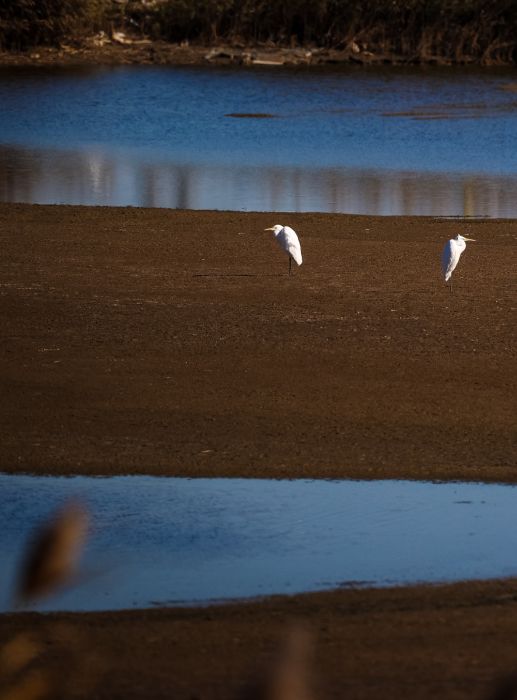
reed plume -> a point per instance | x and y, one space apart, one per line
287 676
52 558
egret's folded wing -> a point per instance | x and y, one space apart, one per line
293 245
450 257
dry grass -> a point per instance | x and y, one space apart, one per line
459 31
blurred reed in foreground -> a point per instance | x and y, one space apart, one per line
27 671
288 674
52 559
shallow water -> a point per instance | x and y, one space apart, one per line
169 541
395 141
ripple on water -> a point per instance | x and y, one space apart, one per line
170 541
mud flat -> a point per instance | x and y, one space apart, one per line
174 342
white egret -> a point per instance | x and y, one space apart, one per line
451 255
289 241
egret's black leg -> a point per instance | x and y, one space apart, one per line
289 265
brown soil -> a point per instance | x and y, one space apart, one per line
174 342
164 53
111 54
452 642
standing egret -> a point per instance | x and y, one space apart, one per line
289 241
451 255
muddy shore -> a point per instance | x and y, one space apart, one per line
174 342
453 642
146 52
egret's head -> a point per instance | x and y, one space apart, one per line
276 228
464 238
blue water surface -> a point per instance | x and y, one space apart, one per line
366 140
170 541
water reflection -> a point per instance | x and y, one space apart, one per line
100 177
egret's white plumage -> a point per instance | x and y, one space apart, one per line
288 240
451 254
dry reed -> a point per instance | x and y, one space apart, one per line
52 558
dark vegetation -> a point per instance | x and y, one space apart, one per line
28 23
477 31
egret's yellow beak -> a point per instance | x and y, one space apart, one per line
468 239
270 229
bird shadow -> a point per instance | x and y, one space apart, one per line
236 274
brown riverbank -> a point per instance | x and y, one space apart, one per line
452 642
174 342
146 52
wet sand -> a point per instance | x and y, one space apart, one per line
174 342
